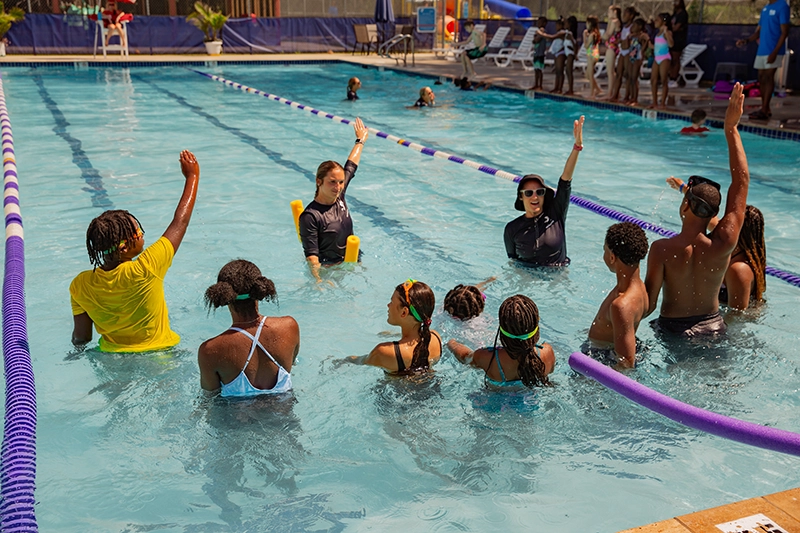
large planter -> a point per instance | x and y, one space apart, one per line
214 48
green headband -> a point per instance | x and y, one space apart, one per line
520 337
243 297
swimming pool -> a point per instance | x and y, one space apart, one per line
128 443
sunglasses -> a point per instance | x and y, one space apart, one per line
527 193
700 207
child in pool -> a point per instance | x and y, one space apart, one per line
411 307
466 301
520 360
698 124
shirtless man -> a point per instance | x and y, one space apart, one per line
691 265
614 327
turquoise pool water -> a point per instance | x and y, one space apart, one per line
129 443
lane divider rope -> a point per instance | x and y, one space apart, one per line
770 438
18 455
788 277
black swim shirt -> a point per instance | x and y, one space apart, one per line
351 95
324 228
420 103
541 241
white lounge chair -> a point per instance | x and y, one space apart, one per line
451 52
690 70
495 44
523 54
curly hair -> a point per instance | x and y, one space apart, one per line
464 302
519 316
240 278
424 301
751 242
106 232
628 242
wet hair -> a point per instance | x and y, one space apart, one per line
464 302
106 232
237 278
424 301
751 242
708 193
666 18
617 11
628 242
519 316
592 23
698 115
631 10
351 83
423 91
572 24
541 21
323 169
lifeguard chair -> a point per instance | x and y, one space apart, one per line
101 30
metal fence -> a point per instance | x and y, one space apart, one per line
705 11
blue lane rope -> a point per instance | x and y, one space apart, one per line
788 277
18 469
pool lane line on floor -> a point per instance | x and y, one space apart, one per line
89 174
18 468
770 438
788 277
390 226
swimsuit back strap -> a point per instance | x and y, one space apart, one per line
256 343
496 357
401 365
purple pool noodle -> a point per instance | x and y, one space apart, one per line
775 439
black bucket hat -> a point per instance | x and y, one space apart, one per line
549 194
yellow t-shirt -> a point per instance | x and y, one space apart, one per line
127 304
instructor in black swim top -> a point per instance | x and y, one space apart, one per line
325 224
537 237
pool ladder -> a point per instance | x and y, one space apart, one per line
397 44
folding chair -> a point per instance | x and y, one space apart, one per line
101 31
690 70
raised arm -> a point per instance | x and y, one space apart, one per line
572 160
183 213
361 136
727 231
678 185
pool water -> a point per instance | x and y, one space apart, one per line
129 443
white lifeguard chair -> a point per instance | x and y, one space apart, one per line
101 31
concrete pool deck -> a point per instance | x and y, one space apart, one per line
785 122
781 510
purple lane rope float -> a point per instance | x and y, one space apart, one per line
788 277
775 439
18 468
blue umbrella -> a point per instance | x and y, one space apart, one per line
384 11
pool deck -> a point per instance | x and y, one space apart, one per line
785 122
782 509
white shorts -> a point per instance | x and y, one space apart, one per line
761 63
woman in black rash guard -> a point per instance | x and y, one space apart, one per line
537 238
325 224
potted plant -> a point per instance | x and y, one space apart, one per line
13 15
210 23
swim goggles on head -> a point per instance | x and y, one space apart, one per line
527 193
407 285
138 235
524 337
700 207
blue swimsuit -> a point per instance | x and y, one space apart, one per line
241 387
504 382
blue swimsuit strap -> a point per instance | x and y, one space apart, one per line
256 342
496 357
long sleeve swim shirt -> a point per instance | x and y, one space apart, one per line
541 241
324 228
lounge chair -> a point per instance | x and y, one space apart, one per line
494 45
523 54
690 70
451 52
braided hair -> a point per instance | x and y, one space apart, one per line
424 301
464 302
240 278
106 232
751 242
519 316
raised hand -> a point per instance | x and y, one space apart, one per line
674 182
189 165
735 107
577 130
361 130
